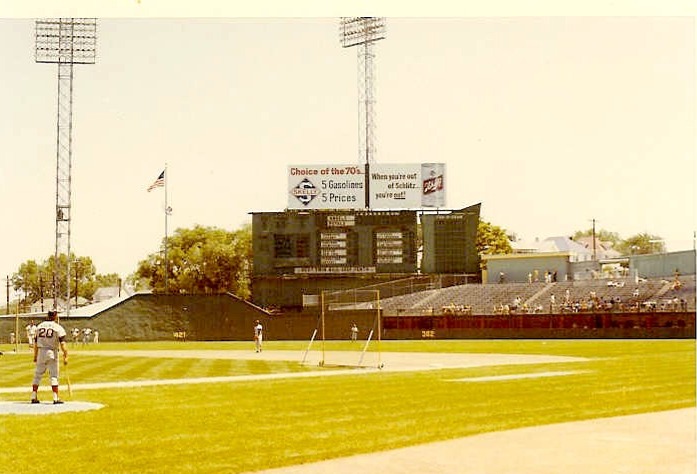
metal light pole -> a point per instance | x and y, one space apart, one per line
363 32
64 41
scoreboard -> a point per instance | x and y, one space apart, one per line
328 242
450 241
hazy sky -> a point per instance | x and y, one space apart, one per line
549 122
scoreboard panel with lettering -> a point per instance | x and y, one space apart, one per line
322 242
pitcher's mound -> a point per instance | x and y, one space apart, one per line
45 408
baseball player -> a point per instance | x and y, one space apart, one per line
50 336
31 333
86 335
258 335
75 333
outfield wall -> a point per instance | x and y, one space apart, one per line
147 317
648 325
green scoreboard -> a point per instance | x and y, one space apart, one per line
450 241
336 242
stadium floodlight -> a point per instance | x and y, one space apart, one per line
64 41
364 32
360 30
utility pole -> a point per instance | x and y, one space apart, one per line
77 268
594 257
41 290
7 308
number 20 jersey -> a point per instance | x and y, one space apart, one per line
49 334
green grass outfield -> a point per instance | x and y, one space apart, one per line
243 426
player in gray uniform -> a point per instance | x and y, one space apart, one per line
50 336
258 335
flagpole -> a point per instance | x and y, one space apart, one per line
166 233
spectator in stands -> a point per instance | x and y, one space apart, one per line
516 303
529 277
502 277
554 276
676 283
635 293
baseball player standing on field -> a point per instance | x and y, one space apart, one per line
258 335
50 336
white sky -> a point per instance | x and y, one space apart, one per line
548 121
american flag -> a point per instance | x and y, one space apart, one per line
160 181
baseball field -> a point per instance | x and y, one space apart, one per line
207 407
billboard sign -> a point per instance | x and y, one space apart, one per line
395 186
391 186
326 187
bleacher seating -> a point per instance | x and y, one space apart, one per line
618 294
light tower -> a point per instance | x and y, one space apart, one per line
364 32
64 41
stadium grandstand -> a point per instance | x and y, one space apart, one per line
624 294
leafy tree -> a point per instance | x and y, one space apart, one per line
88 286
641 244
492 239
601 235
202 260
137 282
35 280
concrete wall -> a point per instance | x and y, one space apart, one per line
663 264
516 267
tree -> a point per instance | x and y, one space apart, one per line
642 243
35 280
88 286
639 244
601 235
492 239
202 260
